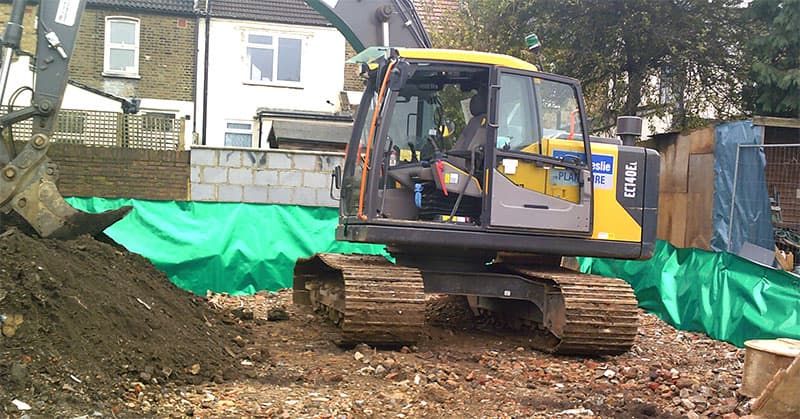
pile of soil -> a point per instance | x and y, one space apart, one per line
99 325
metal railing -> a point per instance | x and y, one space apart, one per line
112 129
780 165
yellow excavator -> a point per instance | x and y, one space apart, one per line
478 173
476 170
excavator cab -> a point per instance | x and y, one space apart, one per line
456 145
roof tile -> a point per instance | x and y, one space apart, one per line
295 12
184 7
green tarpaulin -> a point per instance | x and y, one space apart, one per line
224 247
721 294
243 248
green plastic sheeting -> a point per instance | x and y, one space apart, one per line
236 248
721 294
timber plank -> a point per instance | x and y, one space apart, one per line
700 201
672 218
702 141
675 166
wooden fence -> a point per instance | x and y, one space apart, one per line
112 129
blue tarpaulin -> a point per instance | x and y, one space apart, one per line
751 213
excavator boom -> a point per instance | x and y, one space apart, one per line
375 23
28 178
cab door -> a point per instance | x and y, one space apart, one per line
540 177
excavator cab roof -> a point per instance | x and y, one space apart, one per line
371 54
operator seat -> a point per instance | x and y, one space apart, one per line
475 131
456 162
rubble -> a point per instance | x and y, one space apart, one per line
461 367
470 370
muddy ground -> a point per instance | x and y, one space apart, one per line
104 334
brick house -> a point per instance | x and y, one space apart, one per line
127 48
273 69
141 48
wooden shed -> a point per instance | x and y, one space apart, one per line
686 196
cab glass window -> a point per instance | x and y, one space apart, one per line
517 129
558 104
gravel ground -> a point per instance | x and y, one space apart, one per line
92 331
460 368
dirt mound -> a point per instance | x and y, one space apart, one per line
98 324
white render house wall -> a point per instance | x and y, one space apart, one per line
233 98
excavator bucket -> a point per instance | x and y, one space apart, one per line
41 205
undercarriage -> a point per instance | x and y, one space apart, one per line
379 303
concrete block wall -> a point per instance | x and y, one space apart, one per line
262 176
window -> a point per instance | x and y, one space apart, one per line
121 47
517 130
273 60
558 106
238 134
158 121
665 83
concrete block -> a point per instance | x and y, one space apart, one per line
290 178
265 178
257 194
214 175
279 160
203 192
230 193
280 195
194 174
305 161
242 176
316 179
327 163
305 196
230 158
203 157
324 198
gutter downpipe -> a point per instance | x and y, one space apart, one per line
205 71
196 11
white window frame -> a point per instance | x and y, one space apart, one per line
107 71
276 37
153 125
228 130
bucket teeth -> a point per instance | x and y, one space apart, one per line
41 205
